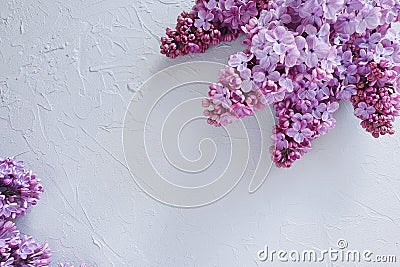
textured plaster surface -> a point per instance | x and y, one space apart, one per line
68 70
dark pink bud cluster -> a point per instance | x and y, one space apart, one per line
209 23
186 38
376 102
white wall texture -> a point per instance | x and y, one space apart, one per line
68 70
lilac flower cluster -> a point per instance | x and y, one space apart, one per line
303 57
18 250
19 189
377 101
284 69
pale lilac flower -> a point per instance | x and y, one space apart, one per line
323 91
306 117
346 23
386 4
332 61
311 12
232 17
291 56
281 16
301 45
222 96
280 39
267 57
308 91
252 80
239 61
325 126
265 18
364 111
347 92
247 11
353 5
218 4
383 53
293 3
368 18
259 41
324 111
393 35
348 76
272 75
346 60
332 7
275 96
273 93
396 54
280 141
204 20
369 41
324 33
340 38
7 230
365 57
7 210
299 131
302 105
389 15
229 4
27 248
242 110
315 50
286 83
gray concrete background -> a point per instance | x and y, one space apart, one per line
68 70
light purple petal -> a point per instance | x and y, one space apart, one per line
291 132
333 107
247 86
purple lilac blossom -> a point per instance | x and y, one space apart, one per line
20 250
19 189
204 20
302 57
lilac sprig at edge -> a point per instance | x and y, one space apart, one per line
20 250
20 189
303 58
